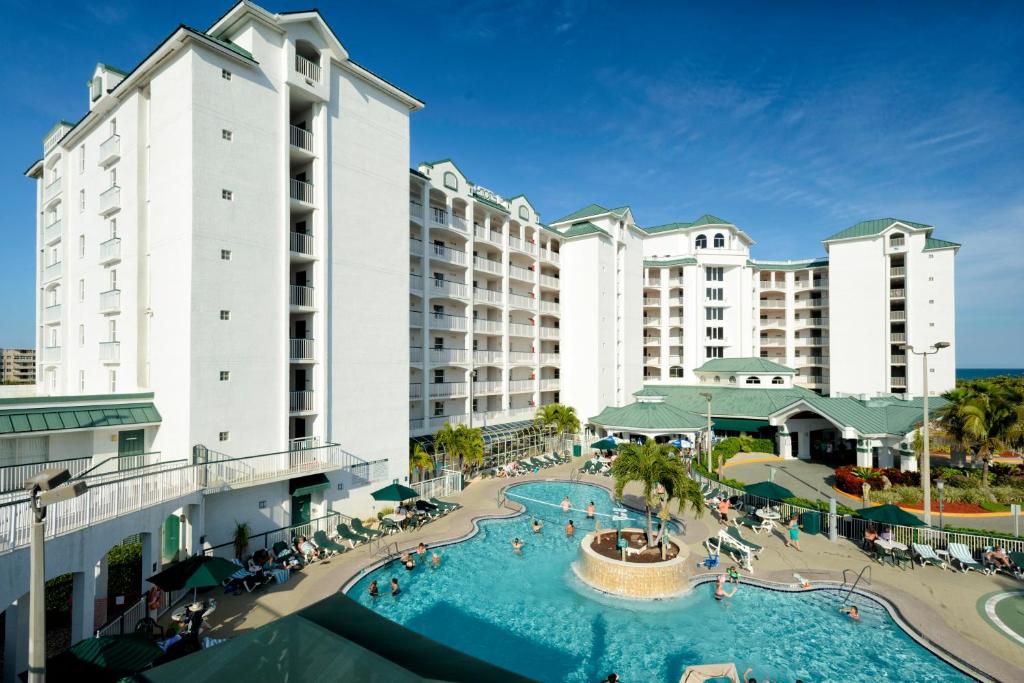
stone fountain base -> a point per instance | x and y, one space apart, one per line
641 580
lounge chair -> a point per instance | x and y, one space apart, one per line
537 462
755 524
325 543
348 535
357 526
961 554
445 505
739 550
736 535
283 552
926 555
1018 560
587 467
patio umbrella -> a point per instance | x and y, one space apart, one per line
108 658
395 492
769 490
608 443
681 443
200 571
890 514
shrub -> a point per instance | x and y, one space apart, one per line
724 480
124 569
899 495
728 447
851 479
821 505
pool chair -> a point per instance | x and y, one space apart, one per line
739 552
755 524
588 467
926 555
526 466
1018 561
540 462
445 506
353 538
961 555
993 568
320 538
283 552
357 526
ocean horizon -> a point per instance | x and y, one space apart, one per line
979 373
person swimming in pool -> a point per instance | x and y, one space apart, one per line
570 528
517 546
720 593
590 510
374 591
566 504
395 590
537 526
851 612
435 560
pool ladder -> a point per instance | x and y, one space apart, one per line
860 575
387 552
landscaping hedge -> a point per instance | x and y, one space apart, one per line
851 479
727 448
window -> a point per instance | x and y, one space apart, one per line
931 324
702 242
777 380
81 246
931 279
753 380
227 194
524 213
223 436
438 376
714 314
113 381
931 255
81 380
475 406
81 200
675 371
225 315
226 75
112 330
715 332
713 352
717 379
225 254
226 134
439 342
113 278
715 294
81 159
225 375
714 274
719 241
732 379
931 301
450 181
81 335
113 127
81 290
113 228
438 408
113 177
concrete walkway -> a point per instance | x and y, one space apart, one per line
940 604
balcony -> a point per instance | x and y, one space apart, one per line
549 384
518 386
415 391
439 421
898 359
300 350
448 389
549 358
652 282
487 295
675 360
52 232
110 150
548 255
110 200
524 302
898 381
443 321
812 322
549 307
300 138
52 191
807 361
897 316
491 386
897 293
439 216
440 252
549 281
445 356
773 341
415 354
487 357
301 296
485 326
772 303
652 360
816 302
520 273
487 265
300 243
482 233
307 69
300 191
811 341
652 341
110 352
520 330
51 354
415 282
652 322
415 423
652 301
447 288
900 271
110 301
415 318
675 321
522 357
898 337
549 333
769 284
300 401
416 211
815 284
519 245
53 272
110 251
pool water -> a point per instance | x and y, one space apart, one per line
530 614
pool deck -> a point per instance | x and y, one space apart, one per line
941 605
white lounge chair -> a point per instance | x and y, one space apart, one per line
741 550
961 555
926 555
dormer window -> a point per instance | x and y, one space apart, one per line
702 242
719 241
753 380
777 380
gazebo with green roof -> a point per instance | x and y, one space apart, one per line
650 416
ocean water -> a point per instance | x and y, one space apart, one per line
978 373
529 613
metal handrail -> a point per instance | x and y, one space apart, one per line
860 575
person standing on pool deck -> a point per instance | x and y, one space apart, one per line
794 533
590 510
565 504
570 528
723 511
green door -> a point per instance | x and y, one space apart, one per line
130 443
172 539
300 509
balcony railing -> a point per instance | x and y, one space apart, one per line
12 477
898 315
899 337
415 423
415 354
487 357
416 211
549 358
110 200
897 293
773 341
652 321
441 356
110 301
549 306
520 273
652 341
898 381
811 322
302 296
897 272
486 326
51 314
448 389
549 281
652 301
549 333
520 385
53 271
439 251
811 341
815 284
415 318
110 150
769 284
898 359
549 384
652 282
300 243
520 330
522 357
897 243
415 391
482 233
548 255
520 301
444 321
487 265
772 303
110 352
307 69
300 138
439 421
439 287
490 386
300 190
300 401
519 245
51 354
674 360
816 302
110 250
52 190
300 349
438 215
804 361
415 282
52 232
488 295
774 322
675 320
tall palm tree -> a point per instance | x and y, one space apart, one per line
561 418
462 442
662 478
986 417
951 425
419 460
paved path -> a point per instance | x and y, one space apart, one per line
941 604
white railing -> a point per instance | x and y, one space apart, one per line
520 273
773 341
549 281
652 360
804 361
520 330
443 321
416 318
898 359
811 341
488 295
12 477
110 200
675 320
415 423
521 357
898 337
487 356
59 131
300 349
652 341
487 326
898 272
437 422
307 69
448 254
652 301
300 243
300 137
110 301
110 352
549 358
447 389
897 293
448 288
897 315
447 356
300 190
898 381
51 314
51 354
110 250
815 284
416 210
652 282
300 401
482 233
52 189
772 303
415 282
768 284
812 303
415 354
439 216
487 265
415 246
415 391
52 232
520 301
548 254
459 223
487 387
549 333
516 243
774 322
301 295
520 385
110 150
651 321
550 384
450 482
897 243
549 306
53 271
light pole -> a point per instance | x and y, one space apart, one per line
472 380
707 433
926 455
940 485
44 489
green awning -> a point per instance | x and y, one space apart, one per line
27 420
737 424
311 483
108 658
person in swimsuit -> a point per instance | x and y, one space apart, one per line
590 510
517 546
374 591
794 533
537 526
720 593
723 511
851 612
565 504
570 528
733 574
421 550
435 560
395 590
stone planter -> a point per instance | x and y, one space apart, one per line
648 581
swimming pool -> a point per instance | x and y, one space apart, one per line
530 614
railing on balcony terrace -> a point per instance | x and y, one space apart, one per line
300 401
110 352
450 355
415 354
772 303
521 356
51 314
899 271
53 271
416 210
898 381
13 477
549 306
448 254
488 357
520 301
897 293
300 243
300 137
110 200
487 387
415 318
449 483
110 150
897 315
549 384
482 233
415 282
652 341
520 273
811 341
301 442
52 232
110 301
900 337
486 326
51 354
52 189
300 190
415 391
549 358
439 287
520 330
548 254
549 333
898 359
444 321
301 295
447 389
300 349
487 265
549 281
110 250
489 295
307 69
520 385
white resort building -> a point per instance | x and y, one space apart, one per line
247 303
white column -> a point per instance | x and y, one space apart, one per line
100 577
785 443
863 454
804 444
789 314
885 456
83 606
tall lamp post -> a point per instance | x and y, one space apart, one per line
472 381
926 456
707 433
940 485
44 489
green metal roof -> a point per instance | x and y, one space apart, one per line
873 227
585 212
728 400
584 228
685 261
743 365
789 265
28 420
930 244
488 202
877 415
311 483
649 415
666 227
738 424
708 219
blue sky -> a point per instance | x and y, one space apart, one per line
792 121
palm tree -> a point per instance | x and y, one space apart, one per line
420 460
986 417
462 442
662 478
951 425
561 418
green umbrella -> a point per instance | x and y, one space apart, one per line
201 571
769 490
395 492
890 514
605 444
108 658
